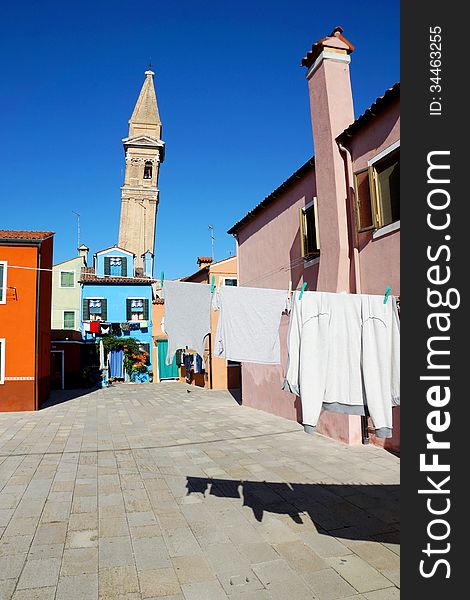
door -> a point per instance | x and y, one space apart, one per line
166 371
57 369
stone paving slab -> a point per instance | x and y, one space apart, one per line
169 492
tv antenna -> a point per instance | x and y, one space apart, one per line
211 229
78 227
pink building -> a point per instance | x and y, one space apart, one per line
335 223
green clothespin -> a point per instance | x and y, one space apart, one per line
302 290
387 294
162 277
212 284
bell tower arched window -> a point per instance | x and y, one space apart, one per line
148 170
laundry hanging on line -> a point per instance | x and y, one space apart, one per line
248 327
344 356
187 316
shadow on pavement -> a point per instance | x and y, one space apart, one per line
358 512
60 396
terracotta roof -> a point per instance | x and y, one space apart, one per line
9 234
317 47
159 301
188 278
286 185
204 259
380 104
92 278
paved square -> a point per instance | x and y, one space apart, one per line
150 491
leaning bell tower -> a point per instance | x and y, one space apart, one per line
144 151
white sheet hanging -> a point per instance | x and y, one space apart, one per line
344 355
248 327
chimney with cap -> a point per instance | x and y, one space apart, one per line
331 110
203 261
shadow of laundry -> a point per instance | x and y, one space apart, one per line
355 511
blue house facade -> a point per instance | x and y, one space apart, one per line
116 300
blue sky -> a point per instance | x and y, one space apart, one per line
232 97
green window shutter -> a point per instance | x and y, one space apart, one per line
124 266
128 310
104 309
146 309
66 279
107 268
86 309
69 319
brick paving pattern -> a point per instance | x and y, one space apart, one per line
167 491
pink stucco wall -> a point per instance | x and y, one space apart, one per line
269 249
269 256
379 258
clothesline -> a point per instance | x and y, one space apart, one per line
146 279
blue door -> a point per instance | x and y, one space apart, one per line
166 371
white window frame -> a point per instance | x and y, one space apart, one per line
138 313
66 287
3 283
74 319
121 258
379 231
2 361
88 300
308 262
236 279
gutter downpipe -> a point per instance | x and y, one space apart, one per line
36 366
349 178
356 260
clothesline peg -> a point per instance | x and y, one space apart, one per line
387 294
289 291
212 284
302 290
219 284
162 277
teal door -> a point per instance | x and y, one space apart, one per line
166 371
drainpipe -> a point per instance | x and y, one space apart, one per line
349 178
36 365
356 260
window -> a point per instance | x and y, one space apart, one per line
148 170
3 282
95 309
2 360
67 279
137 309
365 214
69 319
116 266
230 281
378 191
309 233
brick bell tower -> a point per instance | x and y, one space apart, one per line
144 151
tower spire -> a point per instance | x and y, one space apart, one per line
144 152
145 117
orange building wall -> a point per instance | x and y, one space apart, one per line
18 327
